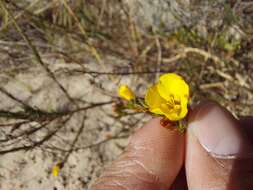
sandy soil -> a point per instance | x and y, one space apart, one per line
33 169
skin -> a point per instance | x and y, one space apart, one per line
214 154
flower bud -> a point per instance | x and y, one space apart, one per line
126 93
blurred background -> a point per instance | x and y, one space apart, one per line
61 62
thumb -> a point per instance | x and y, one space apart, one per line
218 151
152 160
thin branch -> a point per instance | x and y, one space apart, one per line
36 54
13 124
37 143
39 115
117 136
159 57
27 132
96 73
79 132
204 53
26 106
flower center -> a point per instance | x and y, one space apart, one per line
172 105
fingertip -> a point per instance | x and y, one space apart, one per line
153 158
161 149
153 132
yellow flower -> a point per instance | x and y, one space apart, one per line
169 97
126 93
56 170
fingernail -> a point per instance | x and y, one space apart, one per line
218 131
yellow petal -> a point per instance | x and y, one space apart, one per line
173 116
183 113
154 100
56 170
126 93
172 85
184 109
169 97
